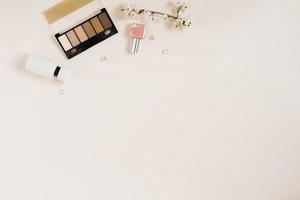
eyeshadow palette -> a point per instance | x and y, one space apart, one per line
87 34
79 25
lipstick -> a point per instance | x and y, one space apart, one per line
137 33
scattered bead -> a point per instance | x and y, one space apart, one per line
103 59
165 51
62 92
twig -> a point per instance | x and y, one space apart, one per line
178 19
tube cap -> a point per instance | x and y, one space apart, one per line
64 75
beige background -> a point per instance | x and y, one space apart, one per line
217 118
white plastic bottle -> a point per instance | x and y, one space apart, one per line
47 69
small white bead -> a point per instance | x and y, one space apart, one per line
62 92
165 51
103 59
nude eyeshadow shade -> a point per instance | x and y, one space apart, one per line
105 20
64 41
81 34
87 26
97 25
73 38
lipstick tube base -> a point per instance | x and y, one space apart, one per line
135 45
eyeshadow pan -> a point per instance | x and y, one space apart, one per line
89 29
73 38
97 25
105 20
64 41
81 34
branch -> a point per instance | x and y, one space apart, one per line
179 21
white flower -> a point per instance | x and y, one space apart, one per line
179 20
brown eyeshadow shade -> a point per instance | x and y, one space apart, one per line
81 34
73 38
89 29
97 25
105 20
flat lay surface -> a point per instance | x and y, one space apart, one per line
212 112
